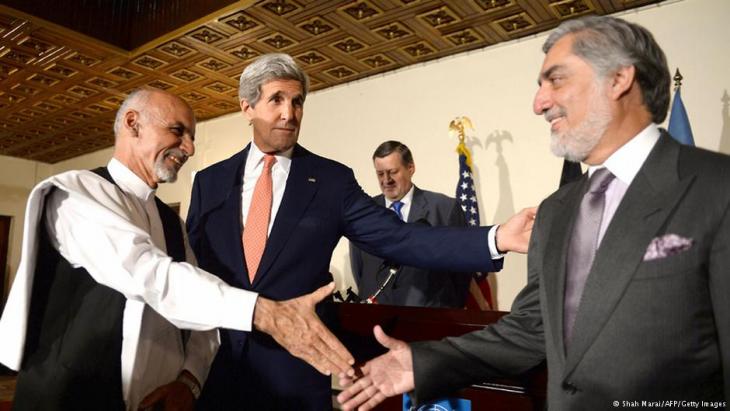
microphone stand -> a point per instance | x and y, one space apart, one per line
392 271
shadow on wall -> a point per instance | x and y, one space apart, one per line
725 133
505 198
505 202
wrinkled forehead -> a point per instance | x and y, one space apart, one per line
167 108
285 85
558 53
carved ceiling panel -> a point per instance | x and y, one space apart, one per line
59 89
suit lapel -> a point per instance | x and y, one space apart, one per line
301 185
419 207
561 211
646 206
229 212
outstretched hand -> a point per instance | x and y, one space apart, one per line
514 234
296 327
384 376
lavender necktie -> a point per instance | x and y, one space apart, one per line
583 245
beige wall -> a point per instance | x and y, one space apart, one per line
17 178
492 86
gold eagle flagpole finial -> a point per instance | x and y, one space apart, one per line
459 126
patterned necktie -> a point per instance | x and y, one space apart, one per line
397 206
583 245
256 230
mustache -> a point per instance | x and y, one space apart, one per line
554 113
177 153
292 123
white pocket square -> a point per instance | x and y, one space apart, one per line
666 246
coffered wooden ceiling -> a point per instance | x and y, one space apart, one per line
66 65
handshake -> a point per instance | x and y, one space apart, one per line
297 328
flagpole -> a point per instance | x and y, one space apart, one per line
480 293
677 80
678 126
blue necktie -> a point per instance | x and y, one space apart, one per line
396 206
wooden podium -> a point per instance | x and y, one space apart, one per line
356 321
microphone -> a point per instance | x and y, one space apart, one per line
393 270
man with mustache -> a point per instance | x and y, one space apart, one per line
268 218
628 268
94 316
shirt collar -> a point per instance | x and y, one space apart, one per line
407 199
625 162
128 181
256 156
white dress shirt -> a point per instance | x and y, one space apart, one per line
624 164
407 200
279 175
107 231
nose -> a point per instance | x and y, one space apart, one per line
187 145
287 111
542 100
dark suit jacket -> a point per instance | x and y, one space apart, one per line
415 286
645 330
321 203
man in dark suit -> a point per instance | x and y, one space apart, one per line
628 267
412 286
107 279
268 219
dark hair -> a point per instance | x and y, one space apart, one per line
390 146
608 43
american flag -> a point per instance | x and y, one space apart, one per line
466 195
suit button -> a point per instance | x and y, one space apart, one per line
569 387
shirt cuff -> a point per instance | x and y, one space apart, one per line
238 308
492 240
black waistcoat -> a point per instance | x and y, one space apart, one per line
72 356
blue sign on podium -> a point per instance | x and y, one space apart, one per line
443 404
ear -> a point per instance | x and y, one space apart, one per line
246 109
131 122
622 81
411 169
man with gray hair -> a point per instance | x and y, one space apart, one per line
107 280
627 285
268 218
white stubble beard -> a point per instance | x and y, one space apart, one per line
165 173
576 144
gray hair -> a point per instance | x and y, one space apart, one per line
135 99
269 67
608 43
